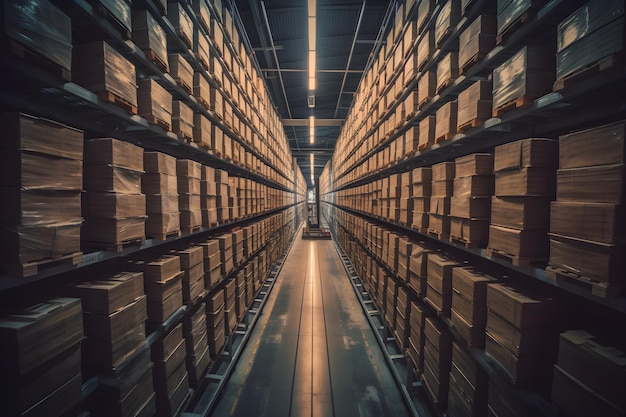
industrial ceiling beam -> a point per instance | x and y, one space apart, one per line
305 70
318 122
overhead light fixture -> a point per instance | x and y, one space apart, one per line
311 99
312 43
312 130
312 156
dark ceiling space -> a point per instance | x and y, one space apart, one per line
278 33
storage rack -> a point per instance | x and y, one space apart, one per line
28 88
590 102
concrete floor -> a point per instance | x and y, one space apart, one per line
312 352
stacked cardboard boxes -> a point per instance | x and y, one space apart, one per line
437 362
160 185
223 195
422 190
198 358
182 120
417 321
471 201
212 261
589 377
114 317
522 334
524 185
468 385
149 36
439 281
477 40
42 178
442 189
41 372
171 383
215 322
417 279
188 175
587 221
469 304
208 196
154 103
163 286
113 206
474 105
230 311
192 265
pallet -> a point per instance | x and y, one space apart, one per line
203 103
518 103
162 237
149 53
39 61
515 260
424 101
114 247
519 22
595 287
190 230
158 122
445 85
30 269
184 135
424 146
466 243
437 234
183 85
444 137
109 97
478 56
613 61
470 124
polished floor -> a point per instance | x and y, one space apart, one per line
312 352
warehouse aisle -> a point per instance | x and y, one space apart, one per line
312 352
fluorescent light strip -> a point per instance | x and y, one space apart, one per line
312 43
312 129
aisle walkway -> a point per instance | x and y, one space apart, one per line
312 352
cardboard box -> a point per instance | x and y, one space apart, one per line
24 244
148 35
109 151
103 178
527 213
525 182
34 171
475 231
598 146
598 184
446 121
470 207
32 207
113 205
425 49
477 40
447 20
474 186
537 153
157 162
447 70
518 243
112 294
426 88
597 222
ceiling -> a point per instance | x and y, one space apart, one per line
277 32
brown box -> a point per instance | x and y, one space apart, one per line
474 105
470 207
447 20
162 268
154 103
31 170
30 133
474 164
439 278
528 213
595 261
474 186
149 36
421 175
597 184
526 182
442 188
598 146
113 327
182 119
181 22
527 75
522 307
188 168
23 244
447 70
98 230
109 151
181 71
443 171
110 178
202 129
112 294
439 224
32 207
426 89
475 231
597 222
440 205
537 153
158 162
477 40
518 243
114 205
469 297
425 49
99 67
446 121
39 333
158 184
162 203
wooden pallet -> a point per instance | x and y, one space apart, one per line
470 124
29 269
39 60
515 260
466 243
424 146
446 136
109 97
436 234
471 62
165 236
424 101
614 61
595 287
157 60
183 85
190 230
445 85
158 122
518 103
113 247
519 22
184 135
